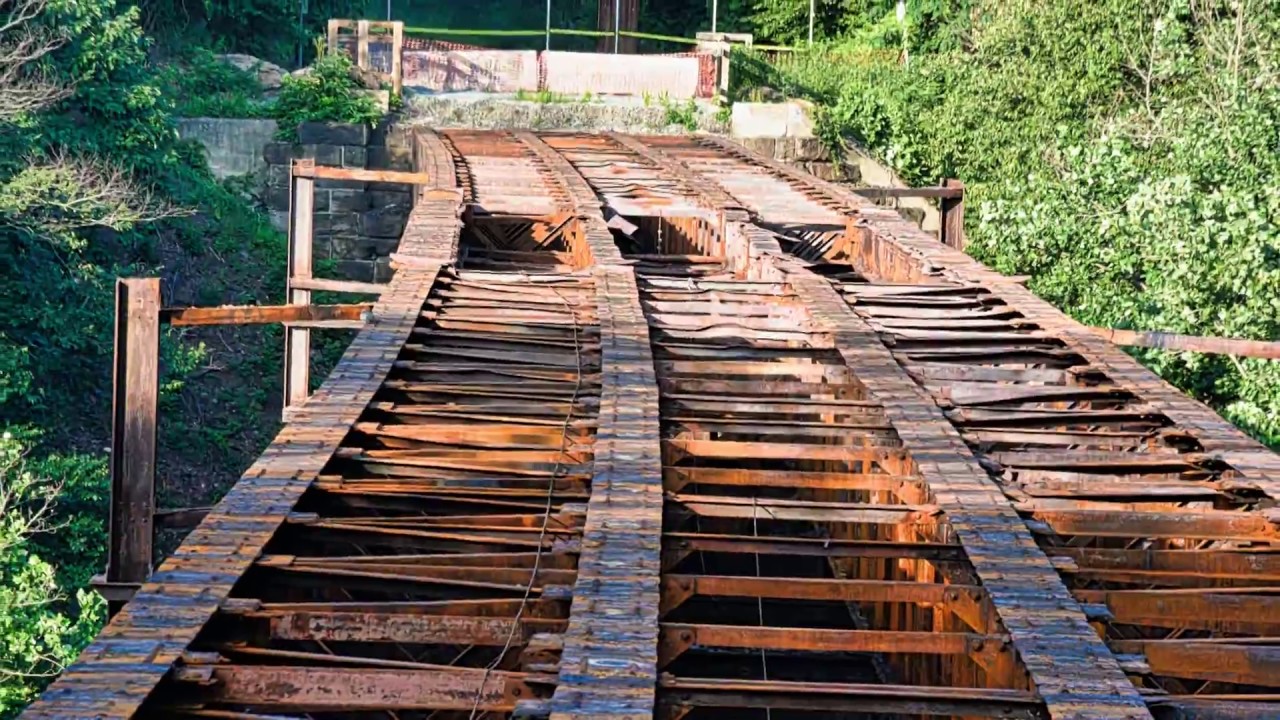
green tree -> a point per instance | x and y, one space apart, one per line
1121 153
41 629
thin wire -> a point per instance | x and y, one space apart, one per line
546 515
755 533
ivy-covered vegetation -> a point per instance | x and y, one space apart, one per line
1125 154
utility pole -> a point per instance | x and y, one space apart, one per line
302 11
811 14
902 20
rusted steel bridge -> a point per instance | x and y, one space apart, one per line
653 427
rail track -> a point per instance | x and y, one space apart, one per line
653 427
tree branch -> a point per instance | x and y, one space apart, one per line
24 88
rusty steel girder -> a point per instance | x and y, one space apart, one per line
654 427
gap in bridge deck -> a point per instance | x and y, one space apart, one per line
429 571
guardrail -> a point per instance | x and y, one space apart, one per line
951 197
379 46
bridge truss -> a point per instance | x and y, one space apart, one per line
654 427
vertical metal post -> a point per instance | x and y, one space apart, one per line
297 341
617 24
388 10
811 14
134 398
715 10
548 47
953 216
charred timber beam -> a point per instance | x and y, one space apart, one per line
376 627
677 638
965 601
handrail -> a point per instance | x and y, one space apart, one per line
1192 343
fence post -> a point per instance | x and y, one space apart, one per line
362 44
724 61
134 397
397 49
297 340
333 35
953 216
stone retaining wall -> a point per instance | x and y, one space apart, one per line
233 146
357 224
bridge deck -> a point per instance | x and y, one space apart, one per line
653 427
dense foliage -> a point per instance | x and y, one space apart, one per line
276 30
328 92
1125 154
94 183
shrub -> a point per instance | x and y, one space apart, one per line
326 94
203 86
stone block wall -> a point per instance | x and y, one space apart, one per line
806 153
357 225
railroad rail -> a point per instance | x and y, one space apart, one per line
655 427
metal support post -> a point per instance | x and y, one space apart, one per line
135 394
953 216
297 340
